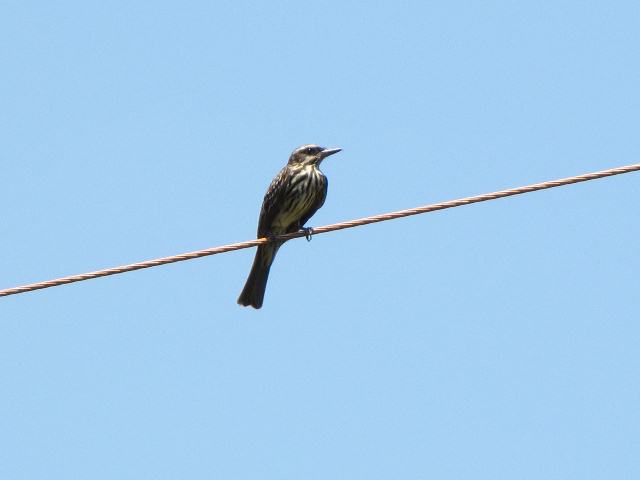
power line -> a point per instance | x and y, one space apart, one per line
327 228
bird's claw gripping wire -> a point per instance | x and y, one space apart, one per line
308 233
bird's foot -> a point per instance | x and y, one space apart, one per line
308 232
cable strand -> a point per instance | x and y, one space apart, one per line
324 229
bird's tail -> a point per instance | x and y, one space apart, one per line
253 291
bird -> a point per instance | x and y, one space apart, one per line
294 195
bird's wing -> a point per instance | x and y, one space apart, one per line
273 197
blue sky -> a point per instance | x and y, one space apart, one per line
497 340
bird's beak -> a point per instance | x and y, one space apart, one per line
328 151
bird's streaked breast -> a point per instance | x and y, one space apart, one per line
307 183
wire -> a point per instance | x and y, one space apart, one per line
327 228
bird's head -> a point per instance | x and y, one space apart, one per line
310 155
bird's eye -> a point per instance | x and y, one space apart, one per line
309 150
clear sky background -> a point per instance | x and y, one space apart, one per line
491 341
